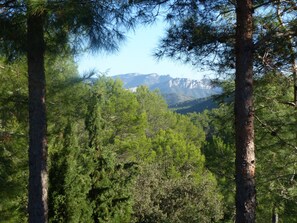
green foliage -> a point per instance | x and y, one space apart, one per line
175 166
124 138
122 156
276 140
100 135
105 145
220 160
196 105
200 33
13 142
182 199
155 109
13 125
219 152
71 25
70 180
176 155
109 194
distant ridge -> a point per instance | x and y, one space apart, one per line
174 90
197 105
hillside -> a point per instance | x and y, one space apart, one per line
197 105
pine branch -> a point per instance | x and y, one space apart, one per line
290 103
274 133
264 4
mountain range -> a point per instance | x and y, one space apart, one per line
174 90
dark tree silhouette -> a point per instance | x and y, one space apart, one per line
244 114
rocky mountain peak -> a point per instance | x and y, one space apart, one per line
174 90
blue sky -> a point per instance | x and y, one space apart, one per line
135 56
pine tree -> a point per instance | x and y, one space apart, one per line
244 115
85 22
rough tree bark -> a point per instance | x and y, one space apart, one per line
244 115
38 176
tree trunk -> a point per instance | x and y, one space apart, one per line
244 115
38 176
274 215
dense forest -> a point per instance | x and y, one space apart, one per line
79 149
